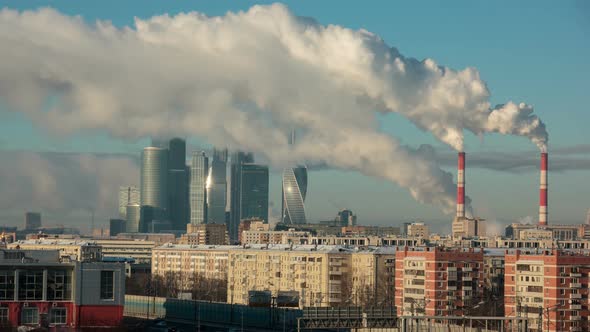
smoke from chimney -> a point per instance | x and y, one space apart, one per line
543 191
461 185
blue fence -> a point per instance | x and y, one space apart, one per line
209 313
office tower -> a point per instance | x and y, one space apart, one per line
127 195
117 226
154 185
176 153
346 218
32 220
198 193
132 223
217 188
254 192
237 159
178 188
294 192
154 177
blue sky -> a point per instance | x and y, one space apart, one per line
531 51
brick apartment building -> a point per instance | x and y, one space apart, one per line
549 285
435 281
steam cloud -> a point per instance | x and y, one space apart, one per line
244 80
63 184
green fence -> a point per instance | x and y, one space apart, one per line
210 313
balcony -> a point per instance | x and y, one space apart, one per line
467 269
575 296
575 275
452 287
575 285
575 317
450 269
575 306
467 278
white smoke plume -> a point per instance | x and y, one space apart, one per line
64 184
244 80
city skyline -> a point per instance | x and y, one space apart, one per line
492 163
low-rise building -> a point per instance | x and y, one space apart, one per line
40 288
138 250
75 249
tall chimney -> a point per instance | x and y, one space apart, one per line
543 191
461 186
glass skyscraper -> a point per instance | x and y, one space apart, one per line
198 192
237 159
154 177
217 188
154 185
254 192
178 184
294 192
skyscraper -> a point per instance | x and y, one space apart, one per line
154 185
32 220
217 188
237 159
198 193
154 177
254 192
294 192
178 188
132 223
127 195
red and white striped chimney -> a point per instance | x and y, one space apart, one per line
543 191
461 186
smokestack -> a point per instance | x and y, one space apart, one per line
543 191
461 186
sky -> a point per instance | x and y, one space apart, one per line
530 51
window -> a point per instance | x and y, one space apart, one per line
30 315
30 285
6 285
4 315
106 285
58 316
58 285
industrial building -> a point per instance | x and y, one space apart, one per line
38 288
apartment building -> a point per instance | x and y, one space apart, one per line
75 249
437 281
319 274
205 234
373 277
257 236
418 229
187 261
38 288
550 286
